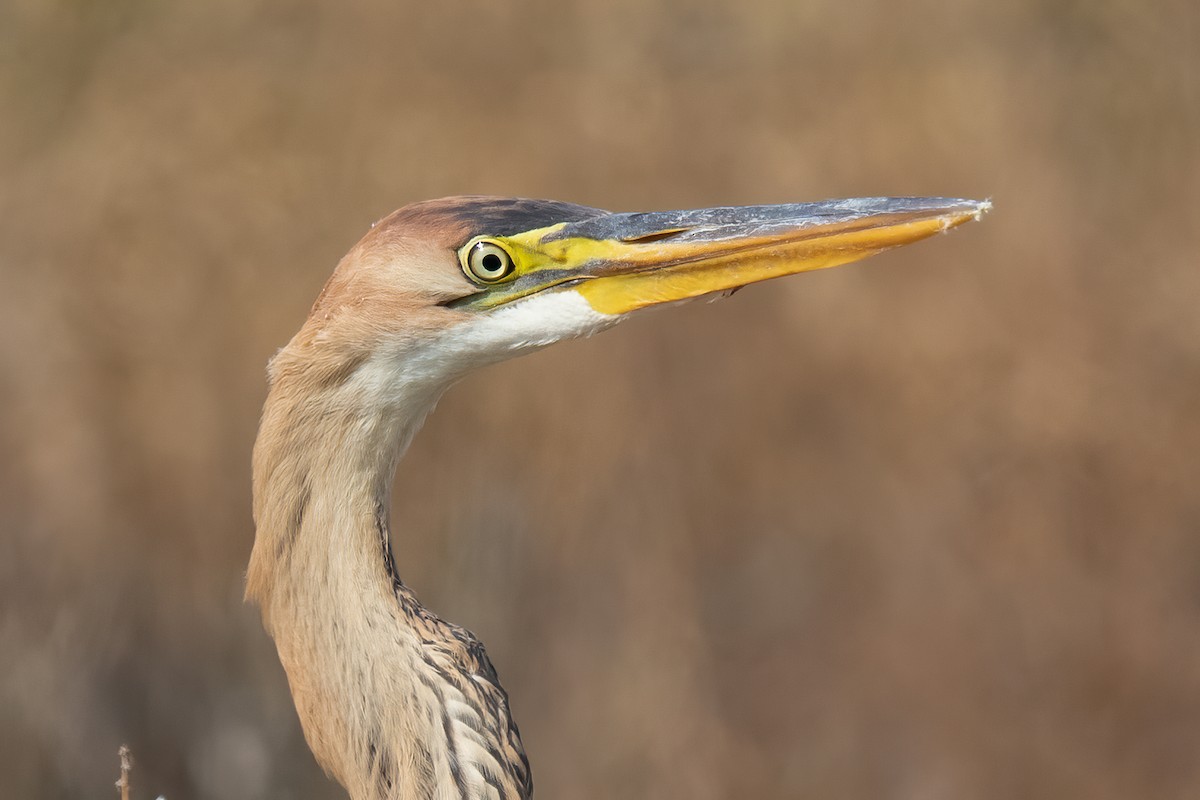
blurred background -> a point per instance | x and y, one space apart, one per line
924 527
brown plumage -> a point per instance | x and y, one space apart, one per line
322 568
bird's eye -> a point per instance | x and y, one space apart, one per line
488 262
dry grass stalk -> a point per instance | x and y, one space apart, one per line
123 782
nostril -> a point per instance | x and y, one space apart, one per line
655 236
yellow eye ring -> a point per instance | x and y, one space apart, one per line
488 262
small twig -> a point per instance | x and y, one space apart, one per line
126 767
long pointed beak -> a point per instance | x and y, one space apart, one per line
624 262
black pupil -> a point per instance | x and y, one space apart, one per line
492 263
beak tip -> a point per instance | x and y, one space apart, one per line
969 211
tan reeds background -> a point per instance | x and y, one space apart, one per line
926 527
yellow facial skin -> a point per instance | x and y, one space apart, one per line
644 267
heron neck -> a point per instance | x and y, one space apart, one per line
394 702
323 575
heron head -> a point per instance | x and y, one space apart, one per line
440 287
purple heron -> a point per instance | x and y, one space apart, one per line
394 701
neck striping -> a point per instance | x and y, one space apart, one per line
394 701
